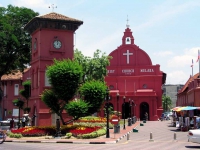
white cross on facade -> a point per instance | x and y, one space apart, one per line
127 56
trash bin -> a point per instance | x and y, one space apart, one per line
116 128
129 122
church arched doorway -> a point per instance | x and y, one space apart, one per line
144 107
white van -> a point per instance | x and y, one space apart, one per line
5 125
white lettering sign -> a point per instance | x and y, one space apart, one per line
111 71
128 71
127 56
146 70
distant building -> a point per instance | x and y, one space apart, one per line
171 91
189 95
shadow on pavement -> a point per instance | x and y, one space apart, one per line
193 147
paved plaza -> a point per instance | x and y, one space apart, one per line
163 137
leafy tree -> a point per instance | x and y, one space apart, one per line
14 41
26 93
94 93
93 68
77 108
64 77
166 103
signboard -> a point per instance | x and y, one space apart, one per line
114 120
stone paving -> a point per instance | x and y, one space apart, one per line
162 139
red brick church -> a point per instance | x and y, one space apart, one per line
130 74
133 77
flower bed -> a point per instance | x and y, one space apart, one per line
83 130
82 126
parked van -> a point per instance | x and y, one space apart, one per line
5 125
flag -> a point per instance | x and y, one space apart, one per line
198 56
192 63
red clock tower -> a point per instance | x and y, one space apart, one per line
52 38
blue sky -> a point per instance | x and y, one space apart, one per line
168 30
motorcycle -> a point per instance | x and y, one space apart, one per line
2 137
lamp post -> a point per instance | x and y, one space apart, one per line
118 125
133 114
118 104
107 114
124 111
133 105
130 106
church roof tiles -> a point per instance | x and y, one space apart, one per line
57 16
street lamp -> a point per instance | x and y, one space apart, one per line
130 107
19 103
124 111
133 114
118 104
107 113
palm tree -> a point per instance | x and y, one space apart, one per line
166 103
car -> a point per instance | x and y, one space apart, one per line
194 136
5 124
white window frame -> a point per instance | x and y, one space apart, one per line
46 80
16 89
4 90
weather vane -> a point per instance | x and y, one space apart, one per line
127 22
52 6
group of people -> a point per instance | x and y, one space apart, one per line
26 121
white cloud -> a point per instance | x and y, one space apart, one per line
163 54
165 11
185 59
33 4
177 77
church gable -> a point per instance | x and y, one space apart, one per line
129 56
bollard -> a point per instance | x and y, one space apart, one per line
128 136
151 137
174 136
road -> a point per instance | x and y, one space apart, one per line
163 138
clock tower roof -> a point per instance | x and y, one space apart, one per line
53 21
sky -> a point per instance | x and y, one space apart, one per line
167 30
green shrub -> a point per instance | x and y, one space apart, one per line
68 135
15 135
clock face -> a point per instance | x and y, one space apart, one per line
57 44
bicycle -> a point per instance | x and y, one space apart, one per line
2 137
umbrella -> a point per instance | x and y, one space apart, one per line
175 108
180 108
189 108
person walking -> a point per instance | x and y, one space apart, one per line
23 122
146 116
11 124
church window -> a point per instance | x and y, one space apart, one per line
144 86
128 40
111 87
4 89
16 90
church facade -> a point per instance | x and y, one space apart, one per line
135 84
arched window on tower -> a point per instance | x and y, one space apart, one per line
32 80
46 79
